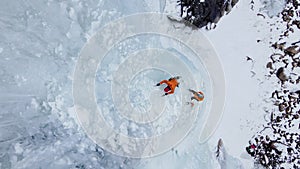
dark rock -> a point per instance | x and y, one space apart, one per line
297 23
281 107
249 58
292 50
279 46
270 65
281 74
202 13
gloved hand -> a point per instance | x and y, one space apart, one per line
166 94
158 84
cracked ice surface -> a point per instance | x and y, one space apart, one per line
40 42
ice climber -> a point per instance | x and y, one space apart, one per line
172 83
198 96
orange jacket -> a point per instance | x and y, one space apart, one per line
199 98
171 83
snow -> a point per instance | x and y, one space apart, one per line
272 7
41 42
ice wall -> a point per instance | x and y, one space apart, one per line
40 42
